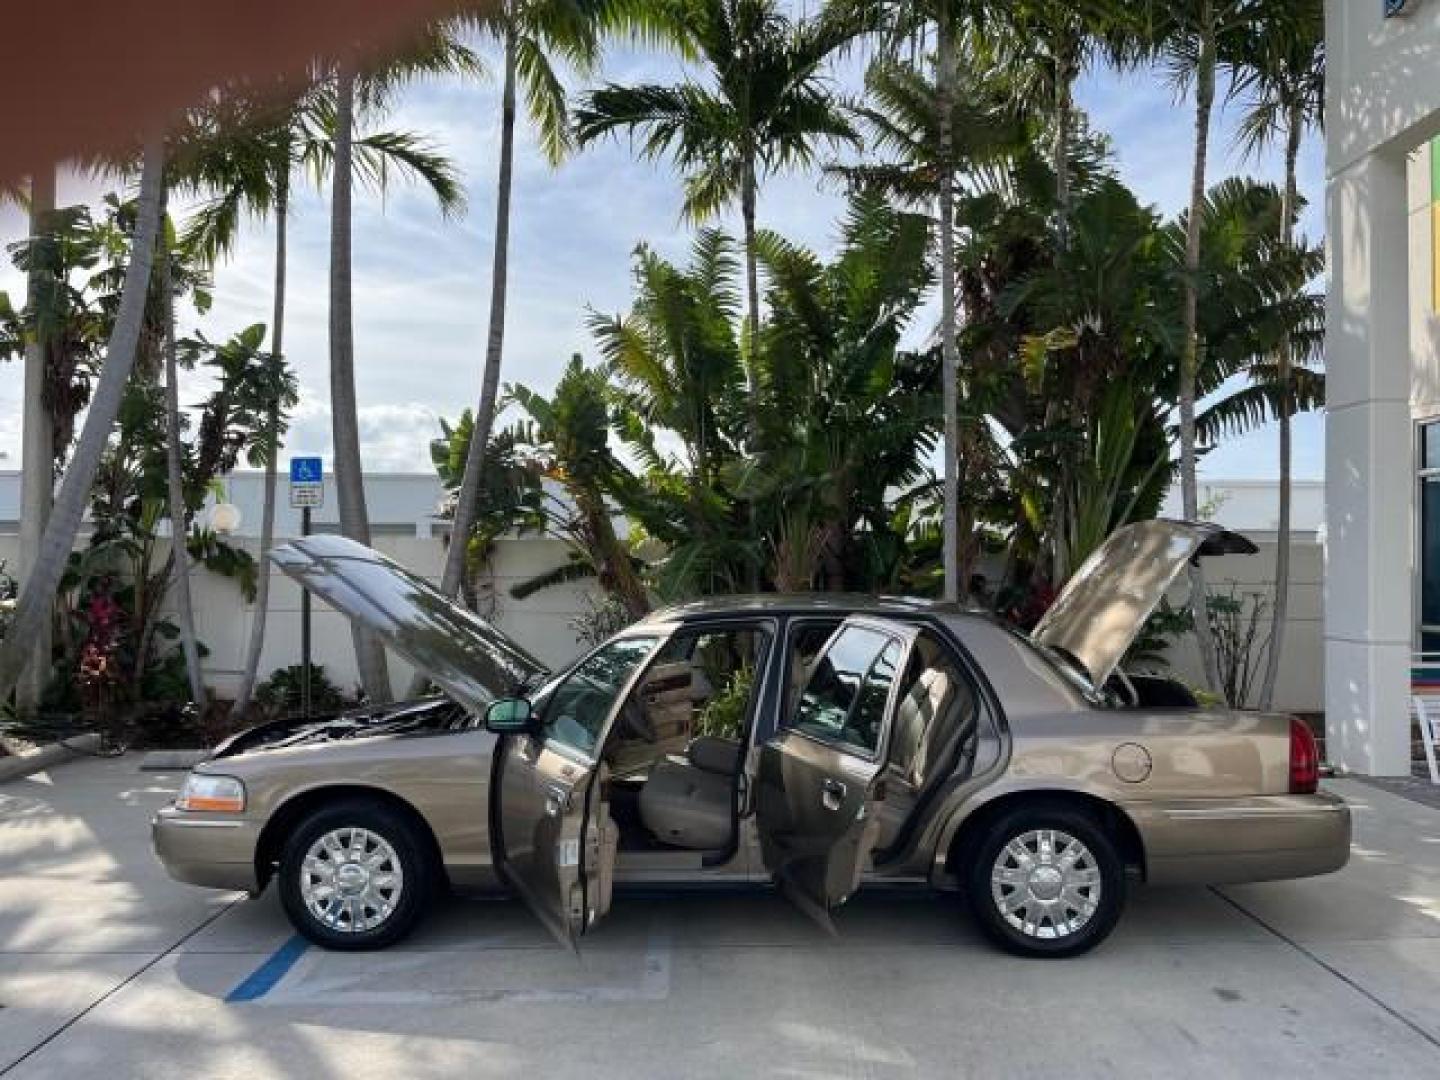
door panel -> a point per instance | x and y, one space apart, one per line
542 802
556 842
819 786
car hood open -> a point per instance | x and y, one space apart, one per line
1100 611
466 656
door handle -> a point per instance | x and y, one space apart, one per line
557 799
832 794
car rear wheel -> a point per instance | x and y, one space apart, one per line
1046 881
355 875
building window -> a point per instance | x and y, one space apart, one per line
1428 506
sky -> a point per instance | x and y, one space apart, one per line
422 283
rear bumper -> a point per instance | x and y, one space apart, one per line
207 850
1226 841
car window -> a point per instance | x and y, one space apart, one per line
841 702
573 709
807 638
867 719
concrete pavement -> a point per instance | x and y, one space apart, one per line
107 968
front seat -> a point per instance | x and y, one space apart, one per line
689 801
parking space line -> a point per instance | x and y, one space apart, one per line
313 984
263 979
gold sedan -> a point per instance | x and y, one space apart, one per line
816 742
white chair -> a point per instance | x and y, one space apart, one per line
1425 700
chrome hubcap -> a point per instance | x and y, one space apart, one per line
1046 883
351 880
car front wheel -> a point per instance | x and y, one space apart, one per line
354 875
1046 881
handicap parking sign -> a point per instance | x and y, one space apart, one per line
307 470
307 483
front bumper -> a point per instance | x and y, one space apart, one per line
1227 841
212 850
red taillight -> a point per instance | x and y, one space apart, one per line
1304 759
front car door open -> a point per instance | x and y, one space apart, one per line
555 842
820 778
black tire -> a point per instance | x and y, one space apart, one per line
1064 940
396 829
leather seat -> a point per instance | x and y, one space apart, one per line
934 720
689 801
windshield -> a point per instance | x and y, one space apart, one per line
574 706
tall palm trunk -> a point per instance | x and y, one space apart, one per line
344 417
495 343
615 571
37 491
1189 360
175 485
60 531
1065 75
950 365
272 463
748 197
455 558
1280 609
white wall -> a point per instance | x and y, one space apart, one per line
401 506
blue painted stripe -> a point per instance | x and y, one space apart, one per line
263 979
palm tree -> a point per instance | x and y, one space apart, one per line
904 118
767 109
1044 47
245 166
908 23
1280 77
174 477
58 540
344 417
1186 36
436 52
38 482
533 34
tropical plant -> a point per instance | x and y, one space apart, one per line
240 158
902 121
509 498
284 691
35 601
1280 81
1186 37
767 107
572 446
174 480
1237 621
533 36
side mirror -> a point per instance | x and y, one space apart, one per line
510 716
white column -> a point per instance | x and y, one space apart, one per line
1368 469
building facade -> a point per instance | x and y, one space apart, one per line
1382 461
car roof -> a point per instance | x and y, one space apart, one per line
839 605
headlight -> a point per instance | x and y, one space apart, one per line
214 794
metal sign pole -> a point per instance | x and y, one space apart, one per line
307 491
305 630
